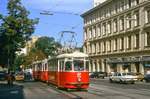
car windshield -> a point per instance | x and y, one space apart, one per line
2 73
123 74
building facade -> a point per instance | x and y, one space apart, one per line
28 46
117 36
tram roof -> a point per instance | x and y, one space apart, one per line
71 55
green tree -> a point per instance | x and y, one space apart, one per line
16 28
34 55
19 60
47 45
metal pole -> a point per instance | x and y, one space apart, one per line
8 55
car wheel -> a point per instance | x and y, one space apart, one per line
132 82
120 81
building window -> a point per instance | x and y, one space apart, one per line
121 5
136 19
122 23
148 16
137 41
136 2
115 25
115 44
90 48
122 43
103 47
90 33
129 3
109 27
95 48
109 46
129 42
94 31
85 34
104 28
99 30
99 47
129 21
147 40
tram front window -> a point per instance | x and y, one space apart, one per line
68 66
78 65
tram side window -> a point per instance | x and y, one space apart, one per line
78 65
50 66
54 65
38 67
46 66
68 66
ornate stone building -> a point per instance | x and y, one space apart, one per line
117 36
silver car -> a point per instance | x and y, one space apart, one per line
123 78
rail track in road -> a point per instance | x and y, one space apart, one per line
95 91
77 93
103 91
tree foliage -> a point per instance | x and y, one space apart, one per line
16 28
47 45
43 47
19 60
34 55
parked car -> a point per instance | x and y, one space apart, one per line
123 78
98 75
147 77
3 75
19 76
140 77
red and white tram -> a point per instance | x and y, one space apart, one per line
65 71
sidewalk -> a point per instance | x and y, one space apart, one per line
11 92
5 87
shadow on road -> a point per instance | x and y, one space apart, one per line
11 92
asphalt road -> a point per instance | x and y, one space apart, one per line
99 89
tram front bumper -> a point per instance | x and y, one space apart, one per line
78 84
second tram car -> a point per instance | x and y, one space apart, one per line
68 70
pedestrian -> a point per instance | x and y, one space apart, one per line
10 78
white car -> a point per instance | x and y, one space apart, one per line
123 78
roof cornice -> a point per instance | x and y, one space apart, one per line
95 8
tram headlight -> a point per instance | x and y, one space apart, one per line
79 77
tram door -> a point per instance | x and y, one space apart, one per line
60 71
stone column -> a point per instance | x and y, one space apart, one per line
102 65
133 68
93 65
108 68
141 68
98 65
119 68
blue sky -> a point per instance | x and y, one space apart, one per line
60 21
